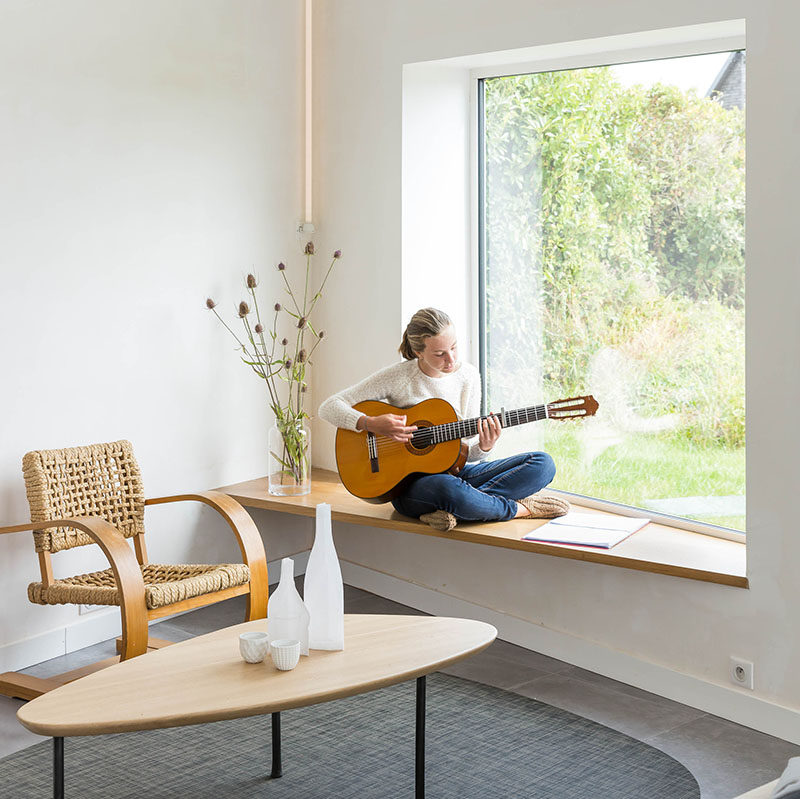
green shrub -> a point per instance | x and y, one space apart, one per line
617 221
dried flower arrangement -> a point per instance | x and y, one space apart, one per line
276 359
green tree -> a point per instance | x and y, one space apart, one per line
616 212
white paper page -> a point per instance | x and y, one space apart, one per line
596 521
587 531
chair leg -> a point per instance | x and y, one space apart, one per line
256 607
134 629
23 686
152 643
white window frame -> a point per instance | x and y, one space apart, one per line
626 48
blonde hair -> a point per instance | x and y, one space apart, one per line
423 324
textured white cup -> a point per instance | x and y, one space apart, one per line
285 653
253 646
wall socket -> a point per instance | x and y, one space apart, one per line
741 672
89 608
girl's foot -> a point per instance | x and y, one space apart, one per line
439 520
543 506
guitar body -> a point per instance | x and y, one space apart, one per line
380 475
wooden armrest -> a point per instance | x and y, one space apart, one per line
21 528
250 543
127 574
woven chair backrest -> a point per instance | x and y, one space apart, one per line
98 480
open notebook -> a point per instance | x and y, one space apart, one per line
587 529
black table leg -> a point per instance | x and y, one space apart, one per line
419 763
58 768
277 769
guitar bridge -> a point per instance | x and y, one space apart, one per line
372 449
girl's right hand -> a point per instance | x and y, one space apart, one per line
391 425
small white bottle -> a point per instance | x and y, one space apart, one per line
324 592
287 614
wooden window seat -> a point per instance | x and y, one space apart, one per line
656 548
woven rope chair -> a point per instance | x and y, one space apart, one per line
94 494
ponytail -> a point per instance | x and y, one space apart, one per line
405 347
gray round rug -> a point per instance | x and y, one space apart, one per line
481 743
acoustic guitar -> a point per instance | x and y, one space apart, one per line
375 468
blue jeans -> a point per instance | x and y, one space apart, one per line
482 491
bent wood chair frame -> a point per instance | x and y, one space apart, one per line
126 565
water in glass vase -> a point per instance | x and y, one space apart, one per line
290 459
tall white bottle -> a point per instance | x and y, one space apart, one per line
324 592
287 614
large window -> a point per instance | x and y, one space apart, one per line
612 263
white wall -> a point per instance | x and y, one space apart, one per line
436 195
685 628
150 155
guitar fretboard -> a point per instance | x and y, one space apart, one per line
466 428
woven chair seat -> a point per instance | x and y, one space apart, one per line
163 585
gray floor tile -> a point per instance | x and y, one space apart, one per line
527 657
377 604
574 672
212 617
725 758
491 669
352 594
171 630
636 716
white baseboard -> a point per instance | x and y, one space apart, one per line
91 628
21 654
84 631
720 700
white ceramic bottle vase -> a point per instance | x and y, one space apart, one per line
324 593
287 614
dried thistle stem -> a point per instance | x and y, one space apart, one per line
261 358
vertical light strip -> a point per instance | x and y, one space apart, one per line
309 208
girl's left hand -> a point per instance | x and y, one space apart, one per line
488 432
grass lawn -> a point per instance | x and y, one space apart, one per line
646 466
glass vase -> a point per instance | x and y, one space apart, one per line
290 458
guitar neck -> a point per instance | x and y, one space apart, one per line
467 428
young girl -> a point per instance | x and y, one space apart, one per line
483 490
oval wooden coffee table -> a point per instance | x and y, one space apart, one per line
204 679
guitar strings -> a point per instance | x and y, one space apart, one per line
386 444
426 436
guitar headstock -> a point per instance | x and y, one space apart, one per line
572 408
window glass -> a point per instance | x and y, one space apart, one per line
613 265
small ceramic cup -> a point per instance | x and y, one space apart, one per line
285 653
253 646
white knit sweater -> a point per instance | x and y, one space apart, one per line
404 384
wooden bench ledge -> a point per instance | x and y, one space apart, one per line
656 548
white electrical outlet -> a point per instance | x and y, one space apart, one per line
89 608
741 672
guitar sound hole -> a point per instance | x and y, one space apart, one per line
423 444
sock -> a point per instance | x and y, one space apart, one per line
544 506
